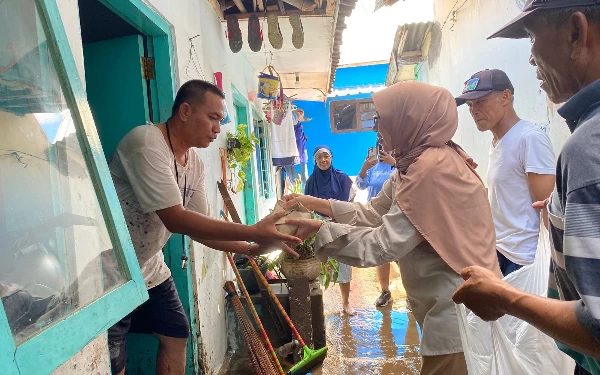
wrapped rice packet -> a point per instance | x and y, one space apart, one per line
297 211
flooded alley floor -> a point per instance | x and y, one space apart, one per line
376 340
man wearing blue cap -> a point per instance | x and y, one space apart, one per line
565 49
521 169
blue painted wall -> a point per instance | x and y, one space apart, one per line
349 149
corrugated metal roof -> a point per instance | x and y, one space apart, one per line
416 35
407 47
345 10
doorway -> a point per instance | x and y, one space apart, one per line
130 82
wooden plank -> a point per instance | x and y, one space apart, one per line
216 5
261 5
331 7
303 5
300 308
318 319
240 6
314 13
281 7
225 4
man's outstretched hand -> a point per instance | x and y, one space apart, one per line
270 238
483 292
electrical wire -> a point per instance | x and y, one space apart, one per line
192 60
442 28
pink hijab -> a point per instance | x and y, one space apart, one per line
438 188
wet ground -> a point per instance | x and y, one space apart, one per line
374 341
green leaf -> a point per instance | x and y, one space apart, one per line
240 186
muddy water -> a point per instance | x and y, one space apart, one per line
374 341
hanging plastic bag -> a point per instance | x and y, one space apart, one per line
268 84
510 346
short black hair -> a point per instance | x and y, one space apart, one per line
560 16
194 93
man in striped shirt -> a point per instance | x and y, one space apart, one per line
565 37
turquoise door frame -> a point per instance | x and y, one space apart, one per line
250 203
160 46
44 352
116 89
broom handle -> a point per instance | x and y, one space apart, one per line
275 299
254 313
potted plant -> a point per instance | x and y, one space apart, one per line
307 264
240 147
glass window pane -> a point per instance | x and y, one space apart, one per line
55 250
367 111
344 115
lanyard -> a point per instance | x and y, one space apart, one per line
184 257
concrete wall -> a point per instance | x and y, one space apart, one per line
190 18
461 49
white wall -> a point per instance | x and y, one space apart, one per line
188 19
464 51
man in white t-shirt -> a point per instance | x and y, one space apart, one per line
522 166
159 179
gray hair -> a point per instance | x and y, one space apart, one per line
560 16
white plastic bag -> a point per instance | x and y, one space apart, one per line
511 346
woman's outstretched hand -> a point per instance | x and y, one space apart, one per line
306 227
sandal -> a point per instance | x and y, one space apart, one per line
234 34
275 37
255 37
298 30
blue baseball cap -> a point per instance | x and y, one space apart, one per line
515 29
483 83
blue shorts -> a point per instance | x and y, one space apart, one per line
506 265
162 313
344 274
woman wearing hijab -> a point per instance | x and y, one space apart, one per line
432 216
327 182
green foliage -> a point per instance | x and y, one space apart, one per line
306 250
296 188
329 272
239 157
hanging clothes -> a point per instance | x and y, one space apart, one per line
284 148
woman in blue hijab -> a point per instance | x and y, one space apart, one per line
327 182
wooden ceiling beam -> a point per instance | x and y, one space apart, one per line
303 5
226 4
281 7
240 6
314 13
261 5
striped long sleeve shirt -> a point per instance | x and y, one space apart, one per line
575 217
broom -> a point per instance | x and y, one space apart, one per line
261 361
310 358
274 361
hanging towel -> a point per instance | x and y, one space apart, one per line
285 150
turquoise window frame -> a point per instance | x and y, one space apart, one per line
270 191
46 351
250 198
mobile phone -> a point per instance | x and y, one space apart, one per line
373 152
